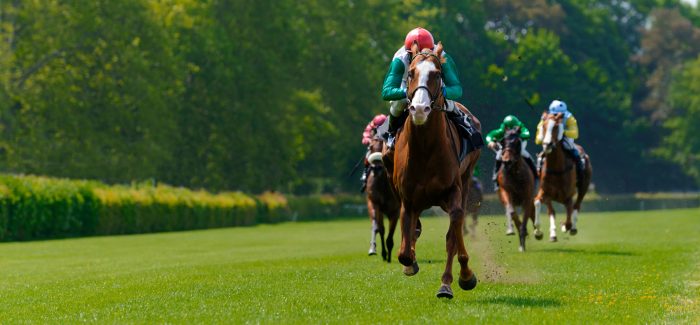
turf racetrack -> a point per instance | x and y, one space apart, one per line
620 268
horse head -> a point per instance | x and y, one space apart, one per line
512 146
552 129
425 82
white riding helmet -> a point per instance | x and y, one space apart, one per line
557 106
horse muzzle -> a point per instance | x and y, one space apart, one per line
419 113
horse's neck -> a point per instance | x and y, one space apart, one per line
427 137
556 158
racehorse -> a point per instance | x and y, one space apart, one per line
474 199
558 178
381 200
427 171
516 184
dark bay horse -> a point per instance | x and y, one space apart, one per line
558 177
381 200
516 184
427 171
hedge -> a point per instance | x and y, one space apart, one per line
33 207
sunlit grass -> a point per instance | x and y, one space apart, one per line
620 268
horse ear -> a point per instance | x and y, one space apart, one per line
439 50
414 48
544 115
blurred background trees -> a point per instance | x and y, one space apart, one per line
273 95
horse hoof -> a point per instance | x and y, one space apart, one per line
563 228
371 253
510 233
405 260
411 270
573 231
553 239
521 249
445 292
468 284
538 234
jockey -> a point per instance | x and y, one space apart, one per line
376 126
494 137
570 134
396 80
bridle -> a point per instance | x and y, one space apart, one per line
433 98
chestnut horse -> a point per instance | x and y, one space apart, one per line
427 171
516 184
558 177
381 200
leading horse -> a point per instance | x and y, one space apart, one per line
381 200
427 171
558 177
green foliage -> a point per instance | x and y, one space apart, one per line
39 207
681 144
257 96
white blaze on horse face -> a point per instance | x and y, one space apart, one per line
548 134
560 135
421 97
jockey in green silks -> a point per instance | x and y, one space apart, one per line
494 138
396 81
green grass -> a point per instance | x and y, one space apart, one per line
620 268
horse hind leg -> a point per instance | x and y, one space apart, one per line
568 224
393 220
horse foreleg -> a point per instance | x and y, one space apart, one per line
552 222
393 220
373 234
407 255
379 218
537 210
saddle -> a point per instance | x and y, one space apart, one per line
470 137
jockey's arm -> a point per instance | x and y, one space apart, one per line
391 90
453 88
495 135
571 129
524 132
539 135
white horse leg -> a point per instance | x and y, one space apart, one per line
509 220
574 219
373 239
552 228
538 208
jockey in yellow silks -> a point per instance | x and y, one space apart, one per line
570 134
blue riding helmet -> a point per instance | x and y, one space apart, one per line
558 106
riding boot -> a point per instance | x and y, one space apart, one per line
494 178
464 125
580 164
395 122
